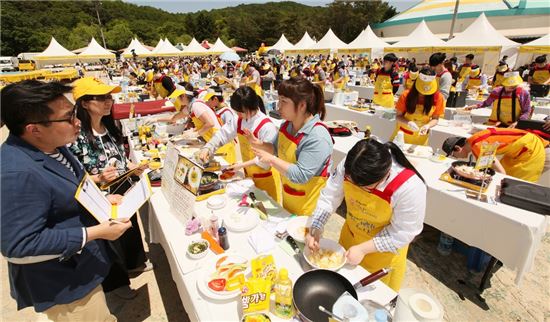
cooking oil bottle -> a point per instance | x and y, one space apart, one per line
283 295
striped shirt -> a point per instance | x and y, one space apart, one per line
58 156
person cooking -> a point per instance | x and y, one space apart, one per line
410 76
254 79
386 202
510 102
540 73
419 109
203 117
251 120
522 153
502 68
386 82
214 99
301 153
464 69
340 76
475 80
162 85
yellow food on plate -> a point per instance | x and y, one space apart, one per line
325 258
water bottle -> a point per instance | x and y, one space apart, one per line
124 86
445 246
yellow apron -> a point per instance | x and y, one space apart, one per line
499 77
383 90
463 72
316 79
163 92
523 152
367 214
228 149
474 82
267 180
507 112
343 83
540 76
298 199
409 83
524 158
421 119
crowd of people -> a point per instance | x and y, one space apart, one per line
61 261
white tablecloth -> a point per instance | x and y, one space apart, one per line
508 233
381 127
364 91
168 231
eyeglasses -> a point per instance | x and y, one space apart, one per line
102 98
69 120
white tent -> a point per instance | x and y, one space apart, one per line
194 49
419 44
301 45
537 47
157 47
94 52
138 48
367 42
167 49
55 54
282 44
219 47
329 42
485 42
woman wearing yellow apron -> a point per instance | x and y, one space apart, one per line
386 201
502 68
163 85
303 147
464 69
475 80
204 119
411 76
510 102
540 74
254 79
251 121
319 77
340 78
522 153
419 109
386 83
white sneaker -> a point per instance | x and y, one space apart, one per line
147 266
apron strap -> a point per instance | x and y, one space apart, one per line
259 127
239 126
398 181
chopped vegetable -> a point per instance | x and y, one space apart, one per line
217 284
197 247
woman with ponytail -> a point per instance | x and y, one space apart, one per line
301 152
251 121
386 202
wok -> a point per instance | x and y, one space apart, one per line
455 175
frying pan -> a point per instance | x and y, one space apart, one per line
455 175
323 288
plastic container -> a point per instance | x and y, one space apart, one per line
399 140
445 246
283 296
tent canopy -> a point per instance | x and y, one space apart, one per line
480 34
329 42
94 52
194 49
538 46
167 49
420 38
157 47
219 47
367 41
282 44
304 44
138 48
55 53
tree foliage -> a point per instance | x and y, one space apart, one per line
27 26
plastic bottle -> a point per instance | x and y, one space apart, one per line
223 240
283 296
399 140
445 246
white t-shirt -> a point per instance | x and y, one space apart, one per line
199 108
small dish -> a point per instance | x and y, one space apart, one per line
198 248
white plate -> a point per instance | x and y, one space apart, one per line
330 245
216 202
243 219
295 227
210 268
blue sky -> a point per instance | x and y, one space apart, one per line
196 5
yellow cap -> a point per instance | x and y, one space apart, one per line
502 68
413 75
426 84
512 79
92 86
176 93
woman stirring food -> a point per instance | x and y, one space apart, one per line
386 202
302 150
251 121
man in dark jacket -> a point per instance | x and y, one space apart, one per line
56 258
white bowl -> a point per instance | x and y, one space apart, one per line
296 226
216 202
329 245
201 254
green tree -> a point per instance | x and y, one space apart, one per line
118 35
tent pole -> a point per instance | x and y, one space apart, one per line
454 20
97 4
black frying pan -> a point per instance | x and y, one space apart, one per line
319 287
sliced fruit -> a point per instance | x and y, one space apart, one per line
217 284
